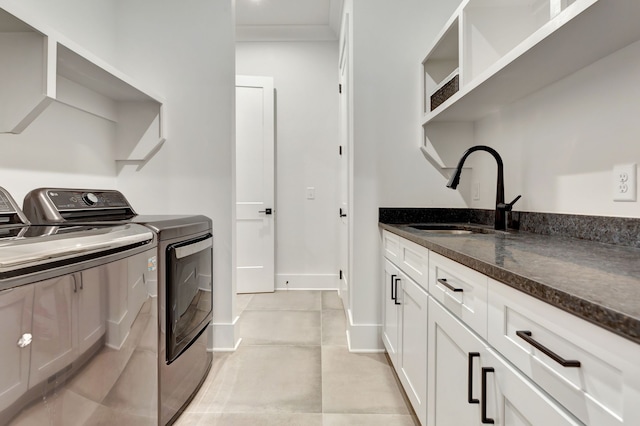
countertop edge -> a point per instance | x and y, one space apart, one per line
617 322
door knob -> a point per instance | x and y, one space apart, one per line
265 211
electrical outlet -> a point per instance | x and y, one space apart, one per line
311 193
625 182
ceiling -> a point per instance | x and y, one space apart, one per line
287 20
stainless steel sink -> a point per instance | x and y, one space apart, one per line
451 229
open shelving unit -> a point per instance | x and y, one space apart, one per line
41 67
504 50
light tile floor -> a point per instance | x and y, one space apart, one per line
293 368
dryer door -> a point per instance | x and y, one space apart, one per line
189 301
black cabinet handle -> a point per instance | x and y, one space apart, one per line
470 397
444 282
265 211
526 336
485 419
393 297
395 283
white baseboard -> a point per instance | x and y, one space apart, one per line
364 338
307 282
224 337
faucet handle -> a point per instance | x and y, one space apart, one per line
508 206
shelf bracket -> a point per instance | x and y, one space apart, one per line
143 161
435 162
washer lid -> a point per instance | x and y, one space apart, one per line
44 250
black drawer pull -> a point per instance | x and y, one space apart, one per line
485 419
526 336
444 282
392 278
395 283
470 397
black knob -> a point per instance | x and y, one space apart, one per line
90 198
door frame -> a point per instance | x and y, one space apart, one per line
346 160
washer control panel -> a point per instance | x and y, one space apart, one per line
81 200
58 205
10 213
5 204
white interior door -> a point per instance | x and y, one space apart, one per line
255 224
344 172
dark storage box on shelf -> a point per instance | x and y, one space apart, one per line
445 92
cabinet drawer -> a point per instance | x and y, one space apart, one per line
414 261
390 246
461 290
536 337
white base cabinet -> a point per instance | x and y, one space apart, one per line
404 330
469 384
595 374
459 353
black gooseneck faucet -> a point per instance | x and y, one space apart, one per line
501 207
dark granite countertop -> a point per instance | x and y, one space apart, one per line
597 282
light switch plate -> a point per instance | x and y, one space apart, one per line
476 191
625 182
311 193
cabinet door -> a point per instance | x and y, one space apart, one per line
455 359
412 355
514 400
391 324
15 316
91 307
54 332
462 369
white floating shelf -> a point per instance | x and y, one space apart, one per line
583 33
41 66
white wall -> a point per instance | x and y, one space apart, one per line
89 23
560 144
63 147
52 152
187 54
394 41
388 42
306 81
